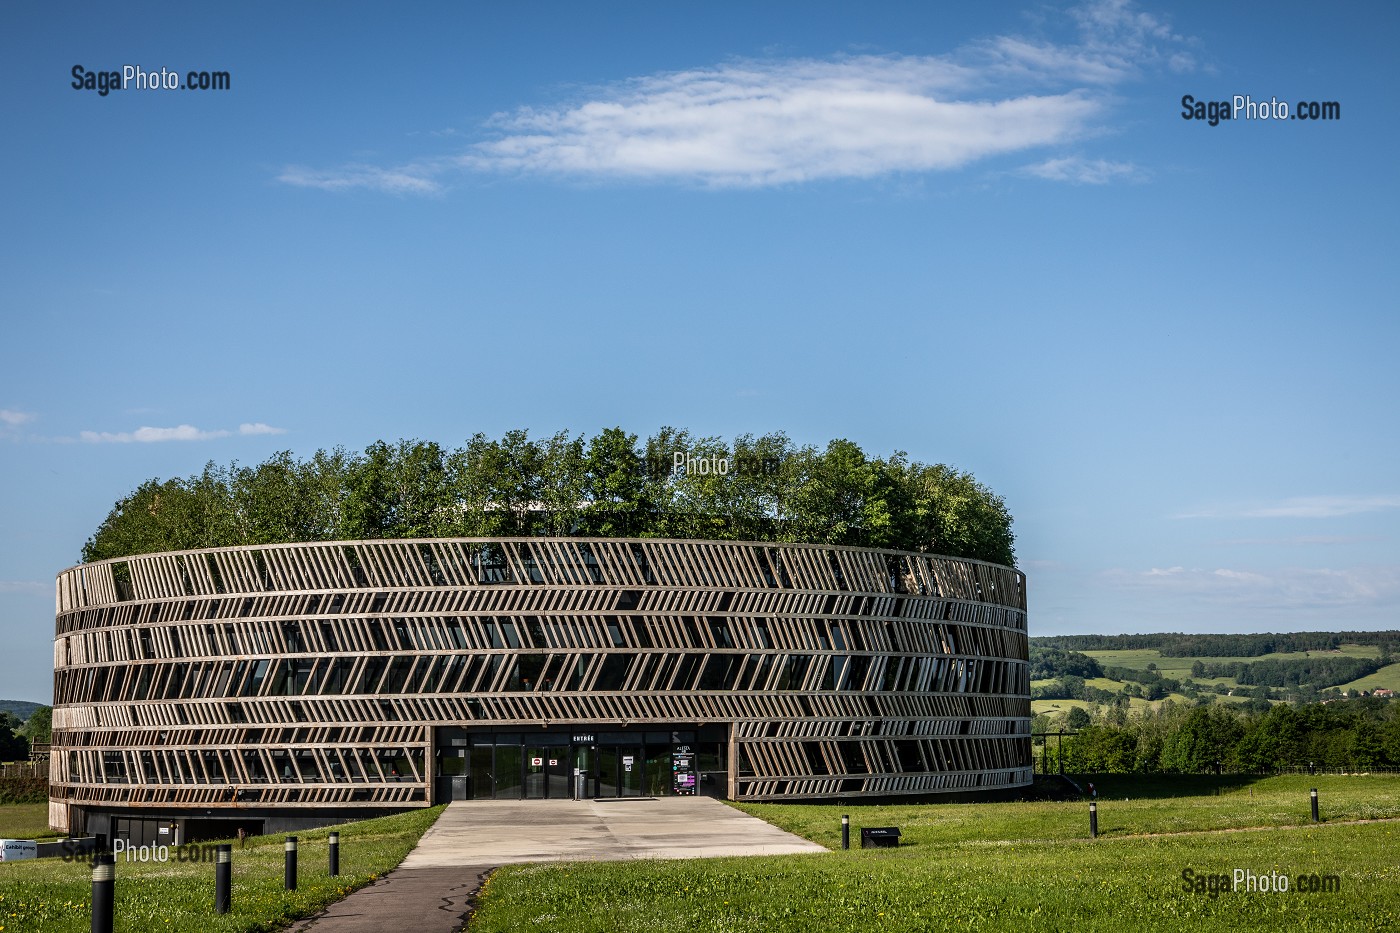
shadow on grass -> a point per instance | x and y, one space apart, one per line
1162 786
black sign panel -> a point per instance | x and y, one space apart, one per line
683 777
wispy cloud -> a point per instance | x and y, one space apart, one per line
10 418
1300 588
258 427
25 586
406 180
183 432
1083 171
1303 540
1301 507
786 121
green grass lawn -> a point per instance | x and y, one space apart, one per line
53 896
26 821
1005 866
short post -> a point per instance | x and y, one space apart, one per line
845 831
104 881
223 879
289 866
1093 820
1314 804
335 854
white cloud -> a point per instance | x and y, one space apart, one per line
1083 171
258 427
146 435
13 419
1302 507
24 586
786 121
794 121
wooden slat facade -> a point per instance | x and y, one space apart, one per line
313 675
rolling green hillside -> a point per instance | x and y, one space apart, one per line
1142 671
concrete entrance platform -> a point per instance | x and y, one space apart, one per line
500 832
431 891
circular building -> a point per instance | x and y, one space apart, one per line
284 686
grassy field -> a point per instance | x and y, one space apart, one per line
25 821
53 896
1388 676
1006 866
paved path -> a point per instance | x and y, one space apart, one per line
431 891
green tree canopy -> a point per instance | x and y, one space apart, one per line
612 484
38 728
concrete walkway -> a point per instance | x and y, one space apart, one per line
432 890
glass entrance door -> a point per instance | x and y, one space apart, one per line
609 761
546 772
507 772
559 768
535 775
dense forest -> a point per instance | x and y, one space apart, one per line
1355 734
670 485
1178 645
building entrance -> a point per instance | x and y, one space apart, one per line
477 764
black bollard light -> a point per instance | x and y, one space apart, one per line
223 879
845 831
289 868
104 882
1314 804
335 854
1093 820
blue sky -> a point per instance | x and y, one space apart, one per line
980 233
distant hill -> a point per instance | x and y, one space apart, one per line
21 708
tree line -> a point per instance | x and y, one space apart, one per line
1178 645
1294 672
1345 734
673 484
